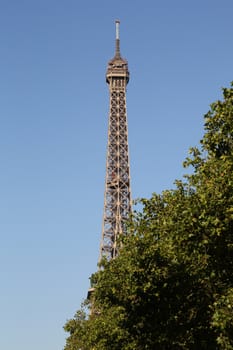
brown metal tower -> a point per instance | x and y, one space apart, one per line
117 198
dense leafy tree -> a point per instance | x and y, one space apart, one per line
171 287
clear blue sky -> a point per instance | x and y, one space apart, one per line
53 135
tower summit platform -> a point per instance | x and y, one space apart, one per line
117 66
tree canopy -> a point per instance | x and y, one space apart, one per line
171 287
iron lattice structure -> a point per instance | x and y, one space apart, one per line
117 198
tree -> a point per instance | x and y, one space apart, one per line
171 287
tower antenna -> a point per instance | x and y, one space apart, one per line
117 54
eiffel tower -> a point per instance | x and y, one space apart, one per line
117 197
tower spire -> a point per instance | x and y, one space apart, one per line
117 53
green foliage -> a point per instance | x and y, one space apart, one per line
171 287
